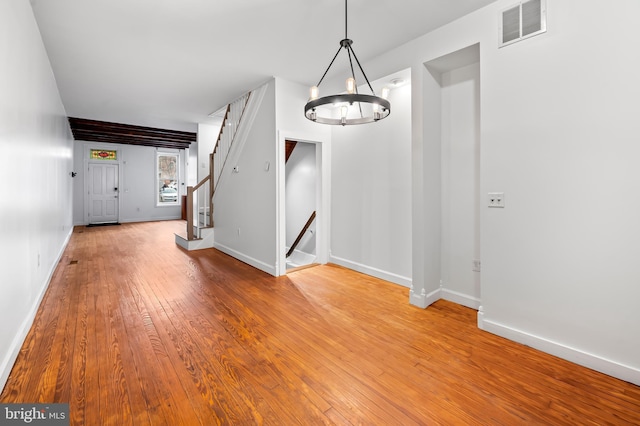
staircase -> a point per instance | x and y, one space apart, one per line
199 233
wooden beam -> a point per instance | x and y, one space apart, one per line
106 132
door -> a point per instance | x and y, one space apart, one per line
103 193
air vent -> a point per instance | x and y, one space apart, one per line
523 20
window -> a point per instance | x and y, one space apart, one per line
103 154
167 184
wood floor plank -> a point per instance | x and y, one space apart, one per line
164 384
78 384
137 331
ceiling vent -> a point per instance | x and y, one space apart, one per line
523 20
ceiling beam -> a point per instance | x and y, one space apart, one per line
106 132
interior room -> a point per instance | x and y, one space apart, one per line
485 185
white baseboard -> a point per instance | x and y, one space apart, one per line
460 298
374 272
480 318
133 220
594 362
418 299
21 334
269 269
424 299
148 219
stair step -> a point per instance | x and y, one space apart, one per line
197 243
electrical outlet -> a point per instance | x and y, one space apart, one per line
496 199
476 265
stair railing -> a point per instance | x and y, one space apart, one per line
226 137
301 234
199 209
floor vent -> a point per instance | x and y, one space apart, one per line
523 20
73 262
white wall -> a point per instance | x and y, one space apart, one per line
559 136
245 202
192 164
35 214
250 205
300 187
371 194
138 185
290 100
207 137
460 164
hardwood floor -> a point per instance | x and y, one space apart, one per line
134 330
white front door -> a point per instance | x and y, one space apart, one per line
103 193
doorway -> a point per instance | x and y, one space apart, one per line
300 204
103 193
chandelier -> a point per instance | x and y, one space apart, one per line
350 107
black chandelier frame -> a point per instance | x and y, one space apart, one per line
381 107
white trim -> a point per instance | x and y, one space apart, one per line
168 153
433 296
592 361
87 160
323 195
14 349
147 219
269 269
423 299
481 318
460 298
419 300
374 272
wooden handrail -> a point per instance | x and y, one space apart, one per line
202 182
189 201
300 235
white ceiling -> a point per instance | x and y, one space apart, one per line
169 63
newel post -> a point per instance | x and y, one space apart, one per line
189 213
